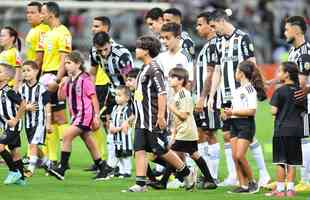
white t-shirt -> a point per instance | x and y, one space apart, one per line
244 97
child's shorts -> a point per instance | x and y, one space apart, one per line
10 138
189 147
287 150
243 128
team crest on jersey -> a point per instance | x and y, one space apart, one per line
242 96
191 50
307 65
138 95
251 47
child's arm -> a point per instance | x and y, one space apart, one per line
181 115
241 113
274 110
62 89
19 114
96 122
48 113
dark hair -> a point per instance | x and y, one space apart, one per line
205 15
253 74
13 33
101 39
9 70
76 57
173 28
219 14
154 14
174 12
36 4
292 69
34 66
181 73
149 43
298 21
104 20
125 89
52 7
133 73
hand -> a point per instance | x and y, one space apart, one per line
52 86
199 105
96 124
210 104
32 107
228 112
49 128
12 122
125 126
161 122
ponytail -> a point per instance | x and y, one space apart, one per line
292 70
253 74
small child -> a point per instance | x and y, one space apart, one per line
288 130
38 112
242 115
84 109
120 116
11 111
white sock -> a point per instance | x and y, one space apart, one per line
45 161
159 168
214 154
203 151
230 162
189 161
280 186
127 165
305 168
112 160
290 186
32 163
258 155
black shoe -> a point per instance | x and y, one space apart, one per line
239 190
157 173
157 185
127 175
92 168
253 187
58 172
104 174
209 185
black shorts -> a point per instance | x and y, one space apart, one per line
189 147
154 142
11 139
106 99
243 128
85 129
286 150
206 120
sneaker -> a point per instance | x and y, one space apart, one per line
123 175
21 182
264 181
92 168
104 174
253 187
12 177
58 172
290 193
228 182
302 187
271 186
190 180
175 184
239 190
209 185
136 188
275 193
157 185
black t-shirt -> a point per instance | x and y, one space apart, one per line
289 117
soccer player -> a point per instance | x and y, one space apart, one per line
207 122
101 79
235 46
84 109
154 20
38 112
10 119
288 130
151 120
55 45
295 29
120 117
11 43
175 15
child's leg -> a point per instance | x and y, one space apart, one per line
17 161
214 154
240 175
280 178
243 146
33 157
127 165
290 177
229 157
201 163
99 140
7 158
111 151
52 143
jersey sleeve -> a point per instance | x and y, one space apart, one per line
14 97
89 87
65 41
303 63
93 57
158 78
252 100
247 47
189 46
125 63
212 55
45 97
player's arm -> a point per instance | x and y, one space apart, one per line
39 58
247 48
18 77
158 78
216 78
61 70
178 113
94 64
16 99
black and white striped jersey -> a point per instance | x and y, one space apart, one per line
150 84
207 57
188 44
233 50
36 94
8 108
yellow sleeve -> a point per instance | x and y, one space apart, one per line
64 43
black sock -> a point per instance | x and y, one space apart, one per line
201 163
160 161
101 164
182 172
20 166
141 180
167 173
64 161
149 173
8 160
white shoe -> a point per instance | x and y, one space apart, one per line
190 180
264 181
136 188
228 182
175 184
